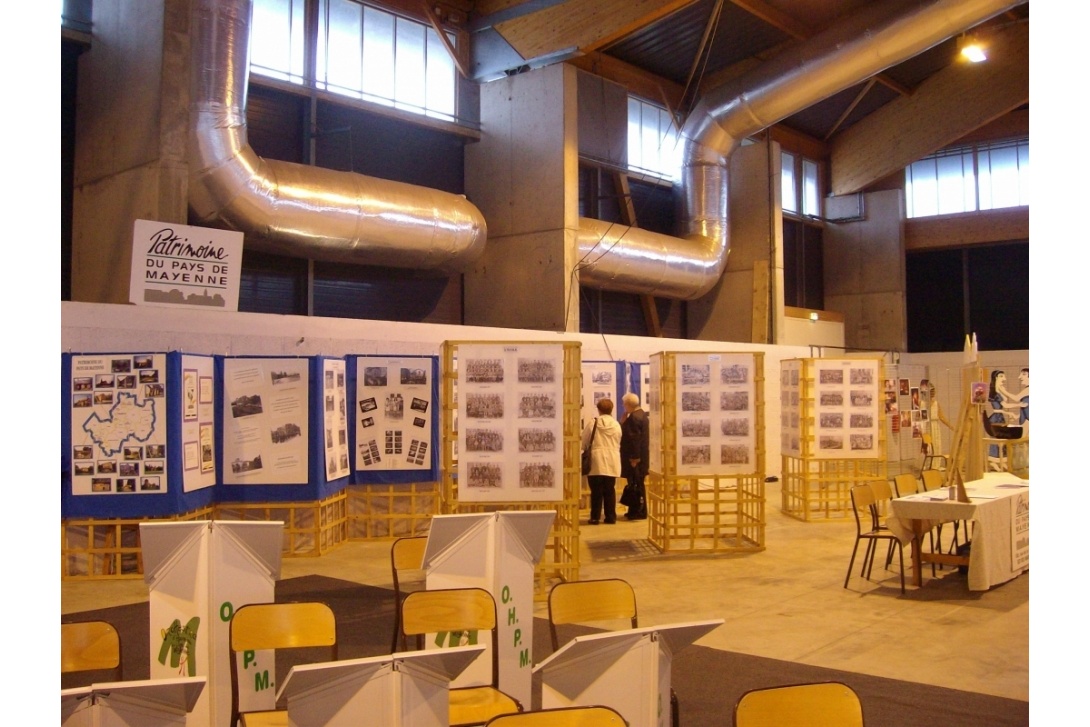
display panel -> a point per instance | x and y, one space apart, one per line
393 413
715 413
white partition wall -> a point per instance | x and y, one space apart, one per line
198 574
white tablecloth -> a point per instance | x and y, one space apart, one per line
991 559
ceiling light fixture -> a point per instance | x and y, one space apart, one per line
971 49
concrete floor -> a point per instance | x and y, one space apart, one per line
786 602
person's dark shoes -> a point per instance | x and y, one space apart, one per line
611 522
635 516
592 521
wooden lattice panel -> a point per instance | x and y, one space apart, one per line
821 489
386 512
560 560
706 514
108 548
310 528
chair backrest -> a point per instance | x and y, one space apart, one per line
90 646
596 716
906 484
932 479
825 704
451 610
407 567
863 501
259 626
883 493
583 602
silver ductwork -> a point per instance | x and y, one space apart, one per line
878 37
300 210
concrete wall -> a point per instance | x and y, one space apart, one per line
132 121
865 274
523 175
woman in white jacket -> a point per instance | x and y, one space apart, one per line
605 462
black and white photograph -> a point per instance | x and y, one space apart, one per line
696 428
129 469
536 371
82 383
861 376
831 376
733 454
104 381
484 371
420 405
279 378
536 440
861 421
696 375
367 405
157 451
413 376
367 422
101 484
246 405
735 427
536 475
149 483
126 381
149 376
121 365
537 406
602 377
734 401
829 442
831 398
484 406
107 466
154 467
484 440
696 401
419 422
374 376
128 484
485 474
734 374
861 397
395 407
862 442
81 400
696 454
831 420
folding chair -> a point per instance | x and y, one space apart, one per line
406 558
460 610
824 704
596 716
866 528
259 626
90 646
598 601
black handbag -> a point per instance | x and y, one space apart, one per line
586 452
629 496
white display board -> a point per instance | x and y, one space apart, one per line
510 422
182 266
497 552
119 424
265 420
841 398
335 418
198 422
599 382
198 574
394 413
628 671
145 703
716 413
409 689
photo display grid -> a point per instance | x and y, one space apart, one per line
393 413
599 382
198 423
653 397
265 427
790 407
119 424
716 413
846 416
511 426
906 413
335 419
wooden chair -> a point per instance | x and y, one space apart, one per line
824 704
909 484
611 600
90 646
934 480
863 501
406 558
596 716
259 626
929 456
453 610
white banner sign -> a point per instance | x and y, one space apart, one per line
180 266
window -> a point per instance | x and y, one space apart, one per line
966 179
361 51
796 196
652 140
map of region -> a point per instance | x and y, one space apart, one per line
128 419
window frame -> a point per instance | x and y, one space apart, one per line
926 196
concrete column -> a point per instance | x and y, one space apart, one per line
865 273
746 305
523 175
131 129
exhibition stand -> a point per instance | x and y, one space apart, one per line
150 703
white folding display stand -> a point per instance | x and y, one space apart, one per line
198 574
148 703
408 689
496 551
627 670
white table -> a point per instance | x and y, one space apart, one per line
999 510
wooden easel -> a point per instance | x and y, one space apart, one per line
966 455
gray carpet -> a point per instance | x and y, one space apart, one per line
708 682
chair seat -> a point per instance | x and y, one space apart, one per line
477 705
270 718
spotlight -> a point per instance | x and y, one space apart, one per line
971 49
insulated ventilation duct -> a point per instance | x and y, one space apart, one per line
880 36
300 210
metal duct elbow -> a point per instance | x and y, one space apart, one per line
300 210
852 50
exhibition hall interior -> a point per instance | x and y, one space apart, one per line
349 287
